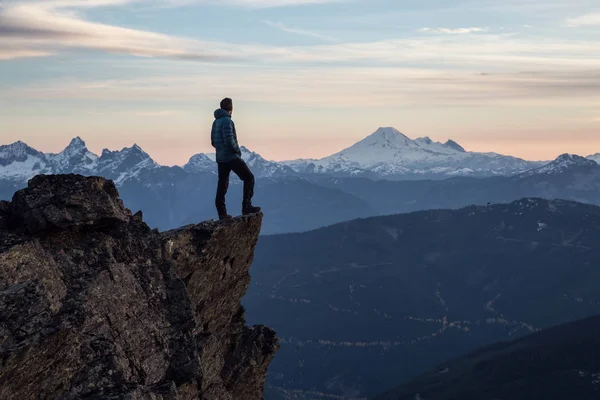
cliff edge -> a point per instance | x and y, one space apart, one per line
96 305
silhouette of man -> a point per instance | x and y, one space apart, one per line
229 158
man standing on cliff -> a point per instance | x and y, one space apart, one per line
229 158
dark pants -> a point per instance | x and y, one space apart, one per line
239 167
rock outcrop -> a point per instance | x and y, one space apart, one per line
96 305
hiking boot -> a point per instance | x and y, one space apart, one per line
249 209
223 217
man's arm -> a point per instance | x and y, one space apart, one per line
229 137
212 135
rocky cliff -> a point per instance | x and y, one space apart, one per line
96 305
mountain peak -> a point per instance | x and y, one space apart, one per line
563 163
133 151
425 140
199 157
74 158
387 137
250 155
18 152
16 148
137 150
572 159
76 146
453 145
125 164
200 163
77 142
388 132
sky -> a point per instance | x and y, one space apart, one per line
308 77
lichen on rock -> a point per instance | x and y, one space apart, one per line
94 304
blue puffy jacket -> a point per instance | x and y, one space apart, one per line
224 138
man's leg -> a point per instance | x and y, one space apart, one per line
222 185
240 168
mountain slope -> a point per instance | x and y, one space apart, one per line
173 197
594 157
564 163
390 154
554 364
75 158
365 305
259 166
568 177
19 162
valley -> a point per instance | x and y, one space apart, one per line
363 306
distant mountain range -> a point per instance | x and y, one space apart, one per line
555 364
568 177
364 306
296 199
386 153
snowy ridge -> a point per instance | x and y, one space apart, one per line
562 164
19 162
124 164
389 153
263 167
74 158
260 167
199 163
594 157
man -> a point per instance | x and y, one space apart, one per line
229 158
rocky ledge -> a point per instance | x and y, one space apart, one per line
96 305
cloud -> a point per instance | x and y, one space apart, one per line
249 3
297 31
584 20
36 29
329 87
158 113
49 27
454 31
12 54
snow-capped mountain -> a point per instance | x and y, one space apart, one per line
388 153
75 158
595 157
19 162
124 164
260 167
565 163
569 177
200 163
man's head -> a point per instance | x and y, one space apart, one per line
227 104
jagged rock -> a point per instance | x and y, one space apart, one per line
96 305
4 213
68 201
